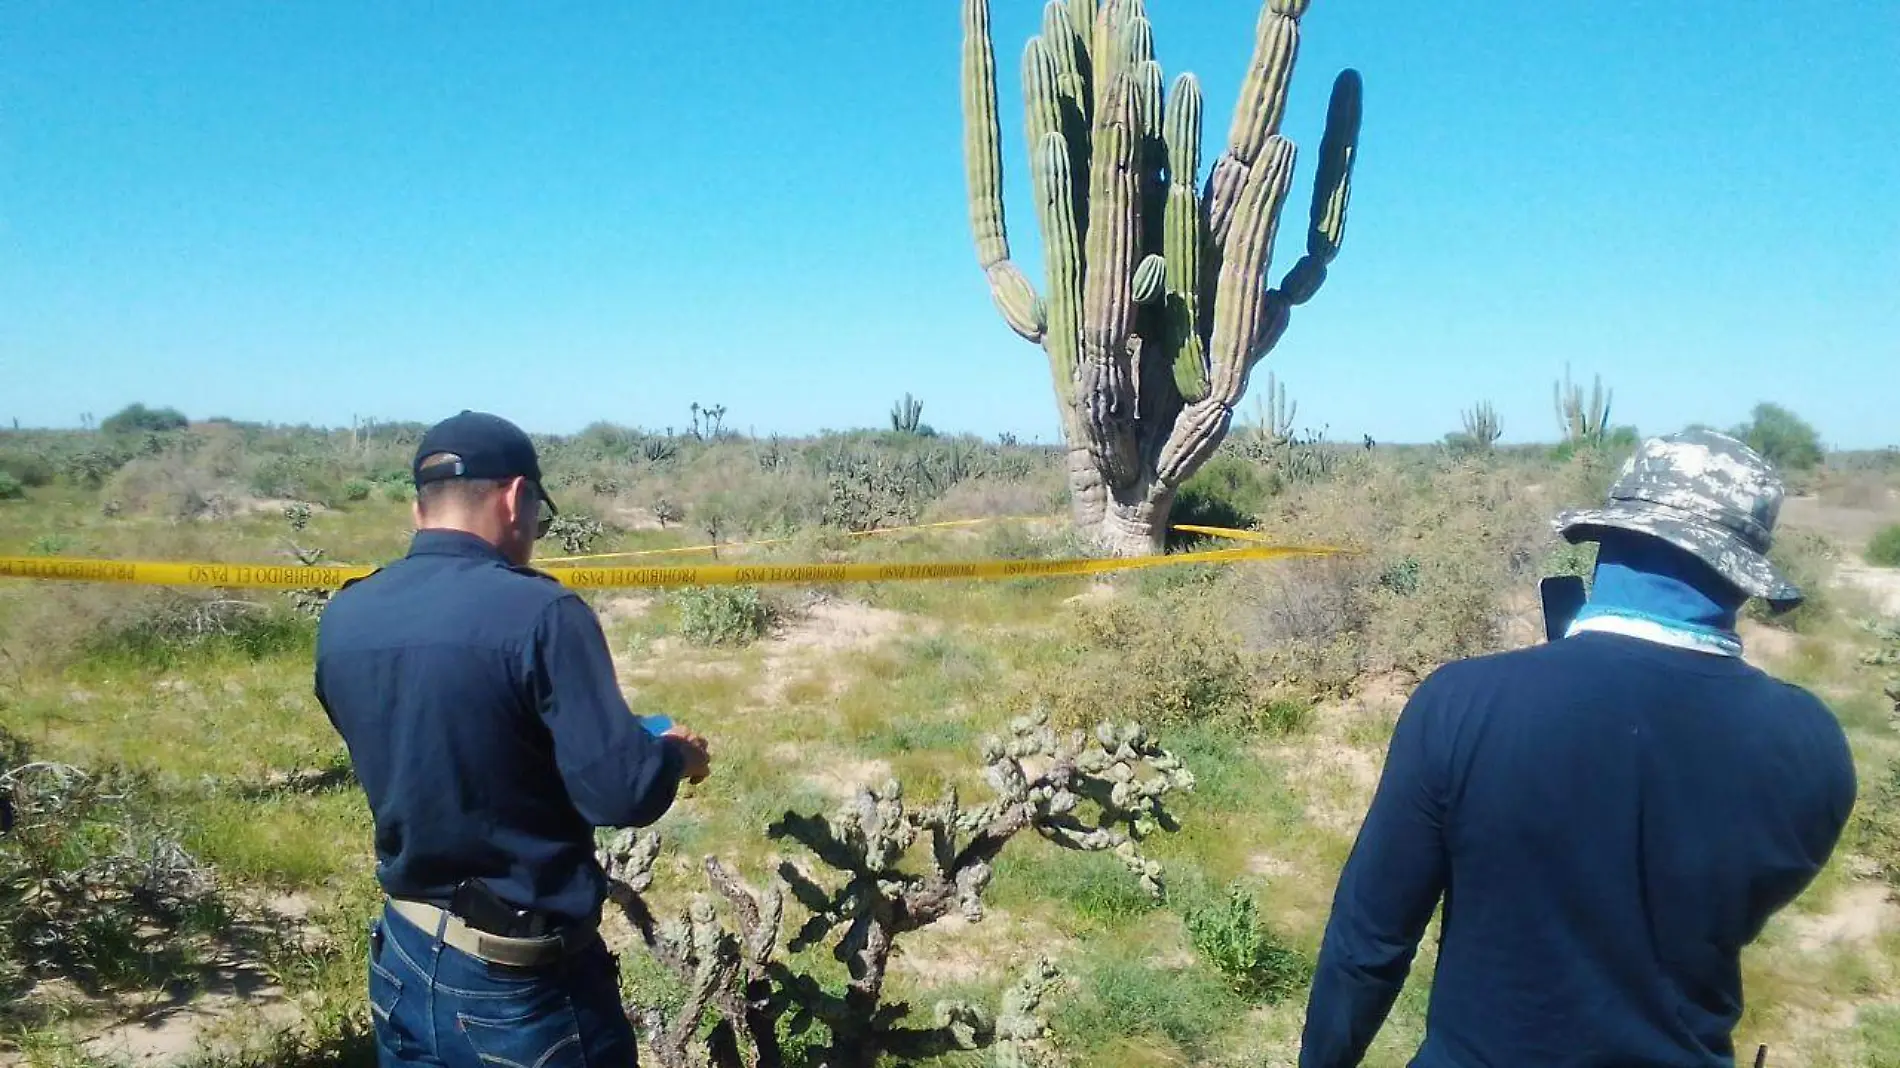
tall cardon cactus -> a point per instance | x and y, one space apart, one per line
1156 304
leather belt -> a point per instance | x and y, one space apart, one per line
496 949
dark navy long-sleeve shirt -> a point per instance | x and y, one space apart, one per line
1609 822
481 712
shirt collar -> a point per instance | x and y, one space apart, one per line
440 542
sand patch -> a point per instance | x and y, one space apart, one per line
1880 584
1857 915
1766 645
179 1028
823 631
954 951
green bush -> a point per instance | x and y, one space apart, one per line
1876 831
138 419
1782 437
10 487
1256 964
1173 656
356 489
1884 550
399 492
91 467
1127 996
181 628
1228 491
723 615
31 466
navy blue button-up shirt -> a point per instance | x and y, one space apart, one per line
481 712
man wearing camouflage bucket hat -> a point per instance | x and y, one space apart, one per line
1608 818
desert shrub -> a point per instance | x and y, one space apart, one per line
1124 995
51 544
31 467
11 489
138 419
1307 620
91 890
89 468
1884 549
280 476
987 496
723 615
1808 562
1172 657
357 489
1439 552
158 486
399 492
1256 963
177 627
1782 437
1228 491
1876 831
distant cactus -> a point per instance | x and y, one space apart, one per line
1582 422
1157 305
897 869
1276 413
1482 428
907 415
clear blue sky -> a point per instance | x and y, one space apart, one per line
298 212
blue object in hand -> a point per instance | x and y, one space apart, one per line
656 725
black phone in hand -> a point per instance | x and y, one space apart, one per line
1563 597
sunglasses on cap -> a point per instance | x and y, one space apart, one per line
544 510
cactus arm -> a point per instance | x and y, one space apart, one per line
1243 311
1332 189
1107 375
1012 291
1105 51
1066 48
1248 318
1042 94
1258 115
1055 203
1151 279
1182 239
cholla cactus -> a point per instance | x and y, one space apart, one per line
1157 304
1119 776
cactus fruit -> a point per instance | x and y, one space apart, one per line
1156 304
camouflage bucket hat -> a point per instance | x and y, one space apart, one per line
1703 492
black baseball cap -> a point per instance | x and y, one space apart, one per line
486 446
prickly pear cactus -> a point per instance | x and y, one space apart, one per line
1156 305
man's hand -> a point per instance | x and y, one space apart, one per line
697 760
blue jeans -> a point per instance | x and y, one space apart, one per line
433 1004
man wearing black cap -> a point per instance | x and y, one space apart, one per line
478 701
1608 818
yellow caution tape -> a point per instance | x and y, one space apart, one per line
731 546
292 577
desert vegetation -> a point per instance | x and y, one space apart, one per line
186 870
